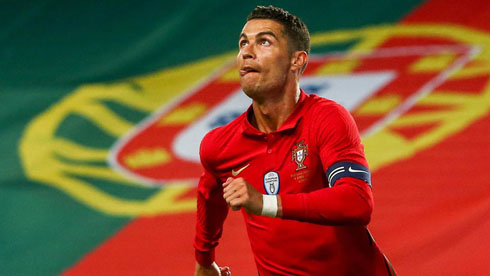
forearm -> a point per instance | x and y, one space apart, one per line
348 202
211 213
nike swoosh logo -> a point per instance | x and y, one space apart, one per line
358 171
235 173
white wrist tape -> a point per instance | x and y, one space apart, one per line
269 205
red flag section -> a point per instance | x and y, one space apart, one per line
432 210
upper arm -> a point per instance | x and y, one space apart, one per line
339 146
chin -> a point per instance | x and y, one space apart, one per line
250 89
250 92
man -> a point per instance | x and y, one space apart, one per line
292 163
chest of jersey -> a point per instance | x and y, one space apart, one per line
278 162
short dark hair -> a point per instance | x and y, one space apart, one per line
294 29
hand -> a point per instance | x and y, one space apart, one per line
212 270
239 193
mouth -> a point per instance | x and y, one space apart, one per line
247 69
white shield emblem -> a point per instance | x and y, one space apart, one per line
271 183
299 155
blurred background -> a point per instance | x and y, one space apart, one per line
104 104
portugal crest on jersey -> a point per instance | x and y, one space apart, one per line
299 155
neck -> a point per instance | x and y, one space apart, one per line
270 113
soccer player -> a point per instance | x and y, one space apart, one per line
292 163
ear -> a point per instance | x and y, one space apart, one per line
299 60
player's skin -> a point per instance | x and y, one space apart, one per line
269 74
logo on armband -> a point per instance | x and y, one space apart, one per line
299 155
271 183
348 169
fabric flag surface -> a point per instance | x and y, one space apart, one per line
104 104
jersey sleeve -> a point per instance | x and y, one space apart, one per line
347 201
338 137
211 212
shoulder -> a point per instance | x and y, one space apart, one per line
335 133
222 133
331 121
213 143
324 111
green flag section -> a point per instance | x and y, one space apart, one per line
104 104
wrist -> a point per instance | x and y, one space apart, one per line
269 206
205 258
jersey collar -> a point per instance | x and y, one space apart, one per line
290 123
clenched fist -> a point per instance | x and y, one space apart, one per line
212 270
239 193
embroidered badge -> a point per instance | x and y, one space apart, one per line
272 183
299 155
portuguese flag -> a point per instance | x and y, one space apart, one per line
104 104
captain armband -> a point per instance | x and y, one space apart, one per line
347 169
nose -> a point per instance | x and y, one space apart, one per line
247 52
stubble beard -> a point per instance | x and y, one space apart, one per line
252 90
259 91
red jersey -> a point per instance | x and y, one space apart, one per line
323 228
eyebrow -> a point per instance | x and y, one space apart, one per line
259 34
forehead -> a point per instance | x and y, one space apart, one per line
256 26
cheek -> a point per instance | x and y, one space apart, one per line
239 55
239 59
278 66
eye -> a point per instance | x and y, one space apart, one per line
242 43
265 42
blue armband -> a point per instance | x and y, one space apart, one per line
347 169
